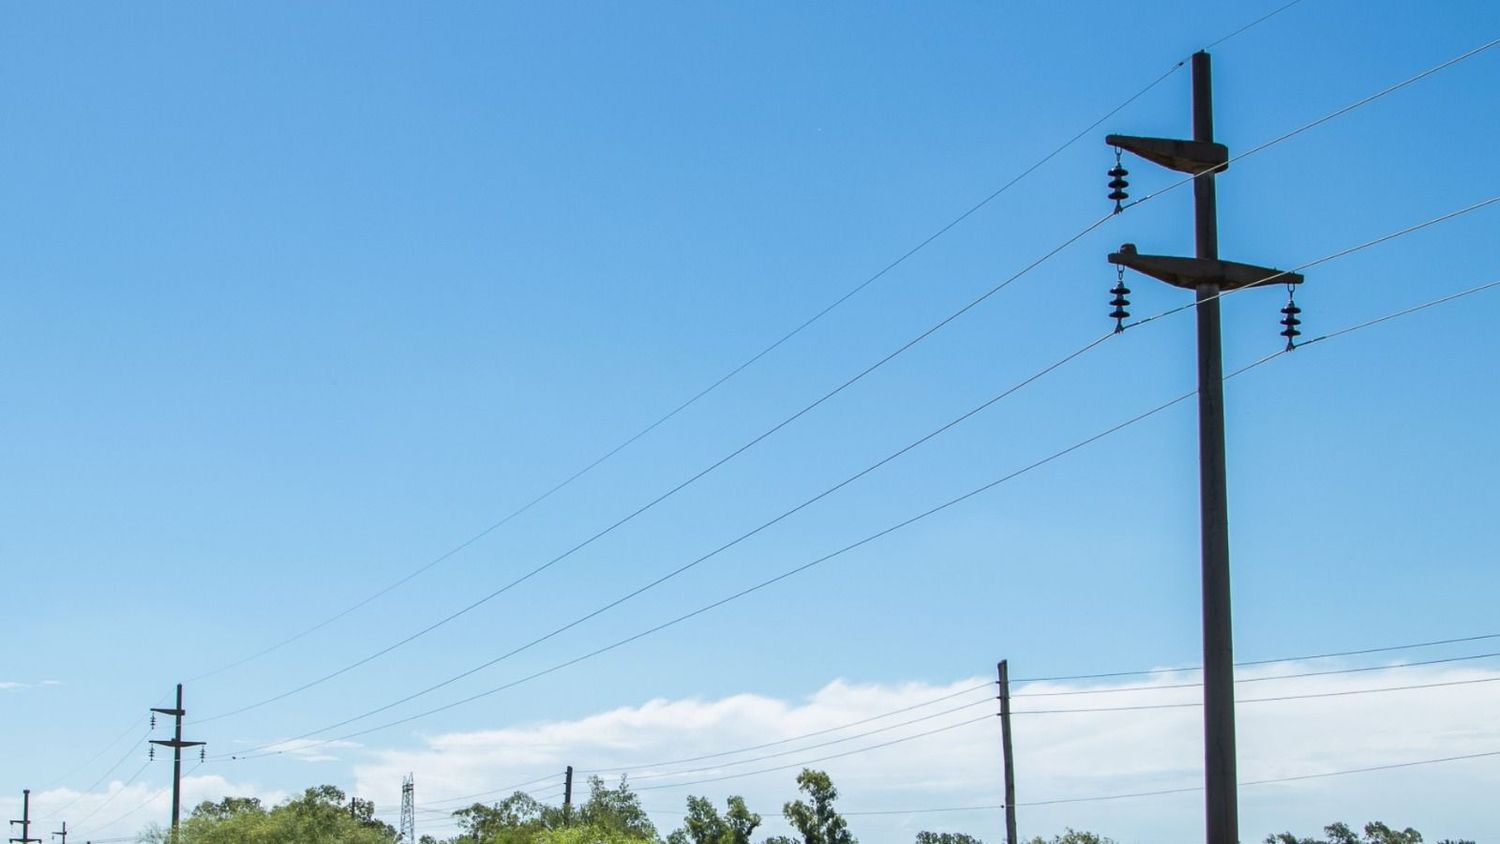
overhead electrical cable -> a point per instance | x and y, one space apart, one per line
685 567
808 502
908 345
1329 655
1297 676
267 750
834 392
778 742
1184 790
753 359
806 762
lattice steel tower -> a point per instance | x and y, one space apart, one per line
408 810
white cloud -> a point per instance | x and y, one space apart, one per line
1059 756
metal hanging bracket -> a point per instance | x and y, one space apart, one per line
1190 273
1193 157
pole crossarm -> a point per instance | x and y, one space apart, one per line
1192 273
177 743
1194 157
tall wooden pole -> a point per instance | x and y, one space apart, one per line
1010 764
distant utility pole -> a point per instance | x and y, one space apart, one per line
568 796
177 744
1010 760
63 833
409 810
1209 277
25 822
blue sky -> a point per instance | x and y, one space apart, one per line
296 298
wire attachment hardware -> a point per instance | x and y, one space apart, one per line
1289 319
151 753
153 721
1117 183
1120 291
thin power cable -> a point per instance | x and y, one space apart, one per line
1297 676
111 798
128 753
1275 780
752 360
988 701
805 762
682 569
779 742
908 345
1329 655
1333 115
507 790
818 402
1277 699
1257 22
808 502
266 750
1441 218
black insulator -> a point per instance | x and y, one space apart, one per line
1117 184
202 754
153 722
151 753
1119 313
1291 322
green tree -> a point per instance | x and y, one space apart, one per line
1375 832
320 815
615 811
925 837
704 825
1073 836
816 820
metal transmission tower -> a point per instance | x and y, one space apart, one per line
1209 278
408 810
177 744
25 822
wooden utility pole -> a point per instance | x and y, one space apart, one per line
1010 759
568 796
177 744
25 822
1209 278
62 833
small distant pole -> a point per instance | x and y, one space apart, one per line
1010 759
63 833
177 744
568 796
25 822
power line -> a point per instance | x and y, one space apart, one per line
938 326
923 244
1277 699
1328 655
805 762
846 384
779 742
1257 22
682 569
1297 676
1067 358
1333 115
265 749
